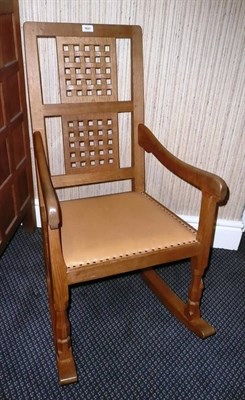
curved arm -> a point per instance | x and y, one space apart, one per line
206 182
48 192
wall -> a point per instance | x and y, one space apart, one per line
194 64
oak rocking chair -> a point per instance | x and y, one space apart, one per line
94 237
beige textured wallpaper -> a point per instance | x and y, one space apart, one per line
194 63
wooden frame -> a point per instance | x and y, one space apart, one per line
169 237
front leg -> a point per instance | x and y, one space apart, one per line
199 263
59 299
192 309
65 361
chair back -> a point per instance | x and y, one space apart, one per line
85 85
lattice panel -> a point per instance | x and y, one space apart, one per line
91 142
87 69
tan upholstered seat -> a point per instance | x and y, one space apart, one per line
117 226
77 142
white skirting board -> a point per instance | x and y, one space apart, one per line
227 234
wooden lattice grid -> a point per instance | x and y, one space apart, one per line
91 142
87 69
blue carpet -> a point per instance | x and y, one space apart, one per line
126 344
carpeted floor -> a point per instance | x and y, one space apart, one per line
126 345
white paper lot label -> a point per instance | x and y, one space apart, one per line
87 28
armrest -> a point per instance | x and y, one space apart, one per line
49 195
209 183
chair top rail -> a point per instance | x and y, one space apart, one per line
50 29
